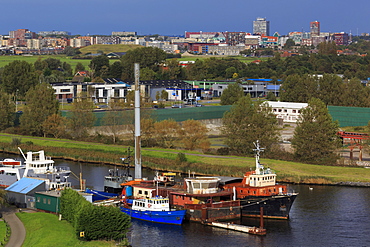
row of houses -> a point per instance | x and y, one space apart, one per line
117 90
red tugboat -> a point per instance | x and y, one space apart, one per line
259 189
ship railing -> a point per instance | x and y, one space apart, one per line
213 205
62 169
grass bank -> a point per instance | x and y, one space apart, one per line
45 229
4 233
167 159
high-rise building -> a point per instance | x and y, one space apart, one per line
261 26
315 28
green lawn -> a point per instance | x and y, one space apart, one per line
43 229
4 60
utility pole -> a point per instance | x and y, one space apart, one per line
137 124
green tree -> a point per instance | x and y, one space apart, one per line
315 140
116 70
330 89
79 67
289 44
298 88
41 103
99 65
82 117
18 75
355 94
232 94
328 48
248 121
70 51
271 96
147 74
7 110
147 57
164 95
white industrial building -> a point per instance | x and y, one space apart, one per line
287 111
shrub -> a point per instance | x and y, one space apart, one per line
180 158
223 151
16 141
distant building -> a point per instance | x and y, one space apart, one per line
315 28
225 50
124 33
261 27
340 38
53 33
200 35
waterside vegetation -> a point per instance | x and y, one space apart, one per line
167 159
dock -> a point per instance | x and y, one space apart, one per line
240 228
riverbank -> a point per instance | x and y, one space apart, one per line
167 159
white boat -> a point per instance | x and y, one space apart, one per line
36 165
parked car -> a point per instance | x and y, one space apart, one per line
198 105
176 106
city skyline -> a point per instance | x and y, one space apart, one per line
174 18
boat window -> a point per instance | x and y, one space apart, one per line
196 185
146 193
140 192
44 200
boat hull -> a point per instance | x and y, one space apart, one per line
163 217
219 211
275 207
100 195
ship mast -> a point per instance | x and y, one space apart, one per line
258 150
137 125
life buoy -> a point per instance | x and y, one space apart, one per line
149 205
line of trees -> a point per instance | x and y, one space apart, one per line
314 141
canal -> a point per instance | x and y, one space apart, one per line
320 216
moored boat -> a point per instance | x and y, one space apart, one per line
10 162
259 189
154 209
35 165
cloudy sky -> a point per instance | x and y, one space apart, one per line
173 17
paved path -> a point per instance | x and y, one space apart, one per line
18 233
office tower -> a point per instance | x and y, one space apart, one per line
261 27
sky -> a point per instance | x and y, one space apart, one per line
173 17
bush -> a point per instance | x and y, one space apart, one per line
16 141
180 158
223 151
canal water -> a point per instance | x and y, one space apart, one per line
320 216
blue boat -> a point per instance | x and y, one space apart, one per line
155 209
100 195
